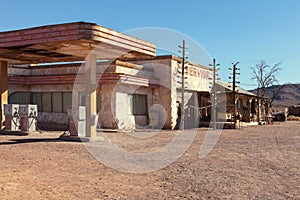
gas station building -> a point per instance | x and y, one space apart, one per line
117 78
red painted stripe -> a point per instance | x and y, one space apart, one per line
70 79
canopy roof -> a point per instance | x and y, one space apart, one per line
69 42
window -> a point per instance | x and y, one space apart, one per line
19 98
138 104
67 101
57 102
46 101
37 99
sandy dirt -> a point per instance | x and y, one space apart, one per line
259 162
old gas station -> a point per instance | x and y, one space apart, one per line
136 88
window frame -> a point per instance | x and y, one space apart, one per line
139 111
41 99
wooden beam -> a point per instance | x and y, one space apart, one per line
3 90
24 56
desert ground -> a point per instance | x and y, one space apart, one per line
258 162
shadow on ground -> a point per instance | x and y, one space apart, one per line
14 133
29 139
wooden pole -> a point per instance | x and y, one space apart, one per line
3 91
214 107
234 92
182 85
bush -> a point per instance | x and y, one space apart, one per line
293 118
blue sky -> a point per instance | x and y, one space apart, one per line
230 31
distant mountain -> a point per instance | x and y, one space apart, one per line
289 95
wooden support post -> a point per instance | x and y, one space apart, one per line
90 97
3 91
258 110
250 108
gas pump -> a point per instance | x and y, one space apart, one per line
76 121
28 117
12 117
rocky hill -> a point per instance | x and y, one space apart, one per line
288 95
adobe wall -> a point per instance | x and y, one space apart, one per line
155 78
162 95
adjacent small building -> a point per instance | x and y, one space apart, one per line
294 110
249 108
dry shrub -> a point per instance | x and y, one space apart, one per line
293 118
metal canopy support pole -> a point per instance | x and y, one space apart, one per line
90 95
3 91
